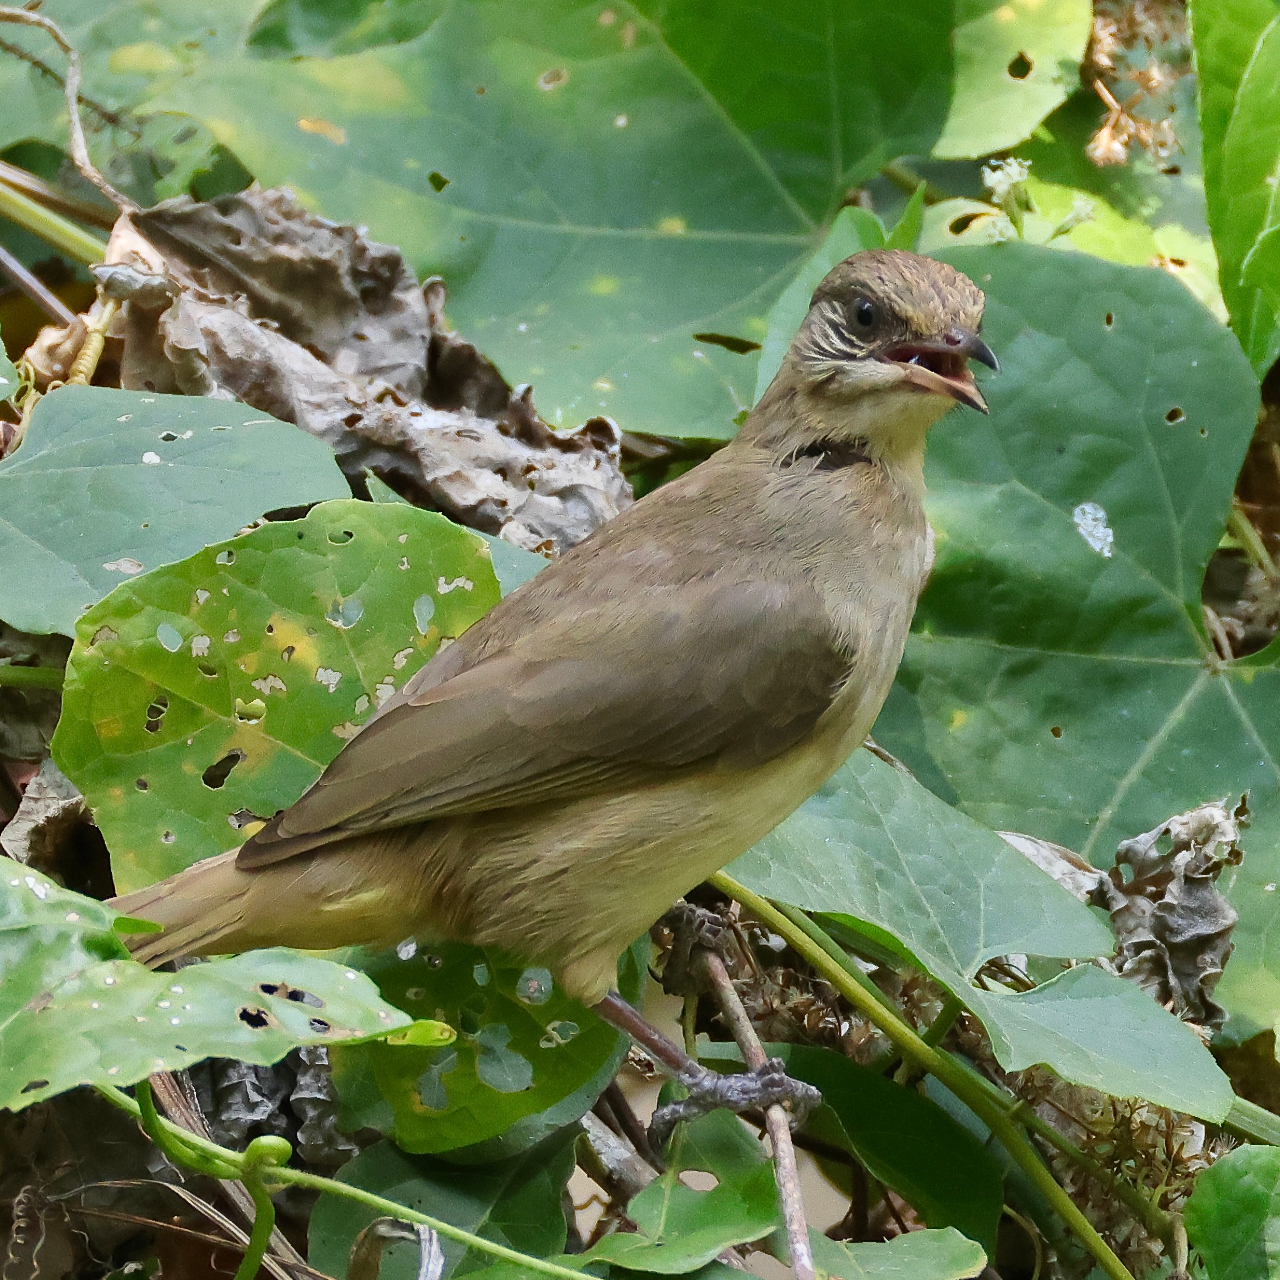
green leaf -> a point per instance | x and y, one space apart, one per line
628 177
1233 1215
74 1010
205 695
918 1255
1238 61
902 1138
680 1229
527 1060
514 1202
853 230
1014 65
108 483
1049 687
906 233
875 845
8 375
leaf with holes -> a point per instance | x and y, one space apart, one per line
1237 51
1014 65
75 1010
527 1060
1058 679
514 1202
679 1226
203 696
109 483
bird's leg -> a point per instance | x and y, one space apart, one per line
763 1084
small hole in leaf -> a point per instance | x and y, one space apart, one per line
168 435
32 1085
958 226
241 819
270 629
181 1048
225 557
255 1018
1173 170
438 180
141 784
339 536
1175 415
217 773
1108 319
168 838
319 1026
1020 67
1056 731
287 652
1203 432
206 670
739 346
552 79
269 988
298 996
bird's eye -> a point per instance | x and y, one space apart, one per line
864 313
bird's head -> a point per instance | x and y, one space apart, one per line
889 321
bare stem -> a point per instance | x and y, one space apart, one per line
35 289
776 1122
31 677
63 234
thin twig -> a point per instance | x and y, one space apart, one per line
35 289
71 90
776 1120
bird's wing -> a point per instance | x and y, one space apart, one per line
731 672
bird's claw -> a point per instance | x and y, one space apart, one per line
753 1090
693 929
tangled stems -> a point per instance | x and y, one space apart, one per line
994 1113
263 1170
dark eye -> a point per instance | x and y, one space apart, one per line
864 313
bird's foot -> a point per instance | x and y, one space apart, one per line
693 929
746 1091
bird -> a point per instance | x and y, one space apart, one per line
648 706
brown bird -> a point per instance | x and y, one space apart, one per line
653 703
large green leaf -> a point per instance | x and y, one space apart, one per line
75 1010
1058 680
680 1229
902 1138
527 1060
1233 1215
205 695
1237 47
1014 65
620 177
876 846
515 1202
109 483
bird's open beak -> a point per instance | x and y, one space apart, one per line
942 366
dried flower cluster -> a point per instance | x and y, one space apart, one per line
1138 53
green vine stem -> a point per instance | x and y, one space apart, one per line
31 677
262 1155
267 1168
63 234
938 1064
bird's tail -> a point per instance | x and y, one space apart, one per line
201 911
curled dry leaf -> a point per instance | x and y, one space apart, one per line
1172 923
252 298
52 807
